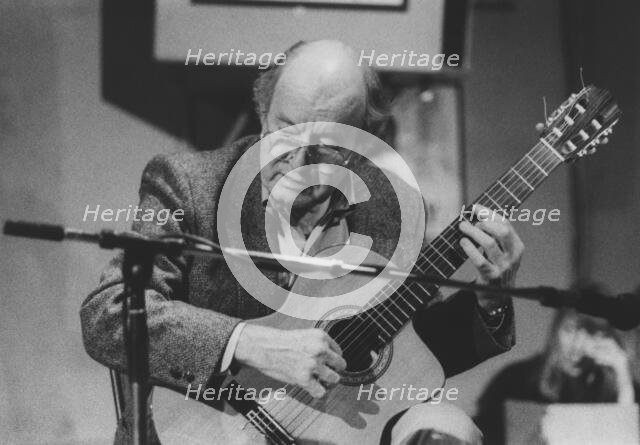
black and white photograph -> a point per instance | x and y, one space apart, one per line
320 222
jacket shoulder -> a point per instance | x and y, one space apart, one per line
208 164
198 177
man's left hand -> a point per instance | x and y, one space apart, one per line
498 256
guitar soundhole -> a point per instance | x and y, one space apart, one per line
361 348
366 354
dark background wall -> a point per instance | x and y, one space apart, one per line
79 118
516 59
603 38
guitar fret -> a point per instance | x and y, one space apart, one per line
509 191
432 265
417 297
523 180
418 267
529 173
410 305
492 200
444 258
422 288
550 147
397 304
414 295
403 312
444 238
536 164
380 326
392 314
452 248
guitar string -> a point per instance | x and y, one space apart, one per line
502 194
528 189
478 201
434 263
439 257
436 266
275 435
266 430
429 295
507 187
508 190
312 418
509 182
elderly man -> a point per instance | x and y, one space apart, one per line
196 308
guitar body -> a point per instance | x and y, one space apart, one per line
340 417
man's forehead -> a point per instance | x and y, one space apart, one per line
320 85
295 102
292 108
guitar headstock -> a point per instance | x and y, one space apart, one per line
581 123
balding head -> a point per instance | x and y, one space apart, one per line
320 81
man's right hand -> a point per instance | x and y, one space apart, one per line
309 358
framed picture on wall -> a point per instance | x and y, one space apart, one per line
385 4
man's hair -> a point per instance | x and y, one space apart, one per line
377 115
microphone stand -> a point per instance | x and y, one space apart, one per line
136 271
137 267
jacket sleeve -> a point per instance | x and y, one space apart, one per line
186 342
457 334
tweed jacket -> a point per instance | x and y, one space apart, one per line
193 305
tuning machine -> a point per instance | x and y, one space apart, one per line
603 139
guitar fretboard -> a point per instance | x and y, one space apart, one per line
444 256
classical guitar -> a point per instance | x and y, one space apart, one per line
389 352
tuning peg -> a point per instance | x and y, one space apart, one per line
604 141
540 127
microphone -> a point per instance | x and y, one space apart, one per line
622 311
34 230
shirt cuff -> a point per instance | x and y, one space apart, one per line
230 350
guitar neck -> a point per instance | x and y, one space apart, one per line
444 256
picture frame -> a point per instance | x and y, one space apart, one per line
354 4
